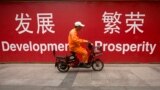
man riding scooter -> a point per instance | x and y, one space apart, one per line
75 43
63 63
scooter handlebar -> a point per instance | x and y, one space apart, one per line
90 45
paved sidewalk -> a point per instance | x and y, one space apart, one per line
112 77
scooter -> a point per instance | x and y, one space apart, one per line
63 63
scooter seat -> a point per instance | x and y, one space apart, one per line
61 57
73 53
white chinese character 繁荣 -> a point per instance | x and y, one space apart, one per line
45 23
111 20
134 21
23 23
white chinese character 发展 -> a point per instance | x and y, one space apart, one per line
23 23
134 21
45 23
111 20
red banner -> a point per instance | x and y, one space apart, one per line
127 31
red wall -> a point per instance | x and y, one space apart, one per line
143 47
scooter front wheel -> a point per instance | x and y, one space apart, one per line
62 67
97 65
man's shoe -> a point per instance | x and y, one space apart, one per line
81 64
86 65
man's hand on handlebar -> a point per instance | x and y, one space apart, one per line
88 42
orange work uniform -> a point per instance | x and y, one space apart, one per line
74 45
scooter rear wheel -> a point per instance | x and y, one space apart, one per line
97 65
62 67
